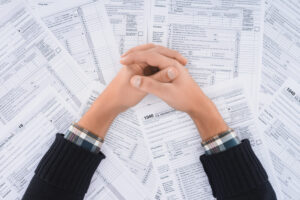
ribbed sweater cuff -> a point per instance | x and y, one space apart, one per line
234 171
68 166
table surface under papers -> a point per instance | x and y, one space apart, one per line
58 56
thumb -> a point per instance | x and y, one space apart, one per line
149 85
165 75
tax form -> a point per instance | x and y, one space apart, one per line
281 52
175 145
31 60
41 91
113 181
125 139
279 122
220 39
30 135
26 139
4 4
83 28
129 20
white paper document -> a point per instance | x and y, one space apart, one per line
281 52
24 141
175 145
28 138
279 122
113 181
220 39
83 28
4 4
125 137
31 60
129 20
41 92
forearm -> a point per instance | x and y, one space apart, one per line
100 116
206 117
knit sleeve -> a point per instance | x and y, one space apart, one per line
65 172
237 174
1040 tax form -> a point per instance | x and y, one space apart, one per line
281 59
175 145
279 122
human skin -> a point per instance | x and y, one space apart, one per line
173 84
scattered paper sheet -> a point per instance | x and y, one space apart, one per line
125 135
30 136
175 145
26 139
279 123
129 20
31 60
42 90
83 28
220 39
4 4
113 181
281 58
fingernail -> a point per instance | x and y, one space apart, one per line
124 54
123 58
137 81
171 73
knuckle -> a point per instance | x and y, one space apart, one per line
151 45
173 63
159 47
137 55
127 60
176 53
130 59
129 52
155 49
149 55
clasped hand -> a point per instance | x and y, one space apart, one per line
172 83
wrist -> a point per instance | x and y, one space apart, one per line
99 117
210 126
207 119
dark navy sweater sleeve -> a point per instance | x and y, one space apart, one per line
64 173
66 170
237 174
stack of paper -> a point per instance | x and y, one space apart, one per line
56 57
